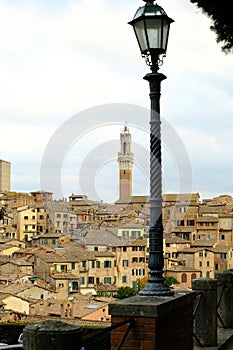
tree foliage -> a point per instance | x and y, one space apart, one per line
124 292
220 13
169 280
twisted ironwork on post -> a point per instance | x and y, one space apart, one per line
156 283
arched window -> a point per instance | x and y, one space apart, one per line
184 278
193 276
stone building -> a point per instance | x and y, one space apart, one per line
125 161
31 221
5 176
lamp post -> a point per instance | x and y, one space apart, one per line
151 26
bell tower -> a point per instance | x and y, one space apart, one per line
125 161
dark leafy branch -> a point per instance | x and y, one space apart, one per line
220 12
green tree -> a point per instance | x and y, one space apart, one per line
169 280
220 13
124 292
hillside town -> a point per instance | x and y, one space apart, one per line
66 259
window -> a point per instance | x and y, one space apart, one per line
193 276
84 264
190 222
125 263
107 264
96 249
135 233
107 280
65 216
207 237
74 286
200 254
134 260
115 263
124 249
64 268
124 279
91 280
168 212
180 222
184 278
207 274
142 260
98 264
216 266
82 280
207 263
93 264
61 285
41 217
222 237
53 241
44 241
125 233
58 216
183 210
33 217
73 265
223 255
198 236
113 249
200 263
25 217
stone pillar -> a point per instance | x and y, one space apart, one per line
159 322
225 297
205 321
52 335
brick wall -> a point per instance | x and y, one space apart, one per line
171 331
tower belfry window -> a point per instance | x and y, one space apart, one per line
124 148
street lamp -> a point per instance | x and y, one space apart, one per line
151 26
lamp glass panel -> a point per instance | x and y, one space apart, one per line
141 36
153 27
165 34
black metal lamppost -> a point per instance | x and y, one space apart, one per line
151 26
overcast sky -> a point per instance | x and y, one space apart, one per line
71 75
